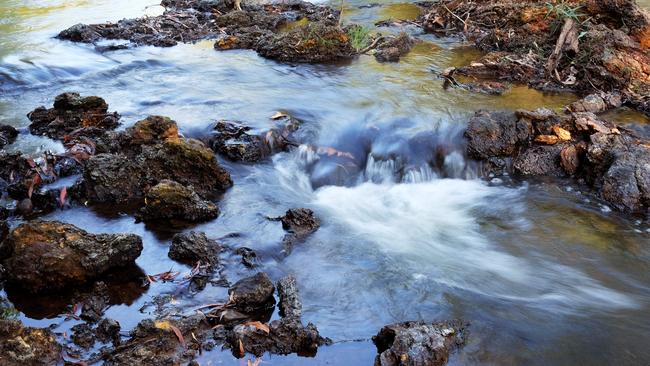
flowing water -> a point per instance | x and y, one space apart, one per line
545 273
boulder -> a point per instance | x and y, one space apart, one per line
496 134
193 247
51 255
417 343
169 200
299 224
20 345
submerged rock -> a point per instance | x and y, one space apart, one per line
252 294
193 247
394 48
8 135
417 343
20 345
50 255
170 200
71 112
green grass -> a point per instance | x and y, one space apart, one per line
563 10
359 36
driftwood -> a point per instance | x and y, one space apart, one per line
566 42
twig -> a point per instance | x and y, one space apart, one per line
372 45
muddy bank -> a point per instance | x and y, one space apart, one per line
612 160
582 46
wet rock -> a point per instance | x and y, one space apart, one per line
570 159
108 330
253 294
8 135
626 184
71 112
248 256
417 343
394 48
540 160
20 345
289 303
94 304
193 247
50 255
150 153
311 43
284 336
494 134
238 142
170 200
82 335
159 342
15 168
299 223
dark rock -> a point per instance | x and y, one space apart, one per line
289 303
170 200
82 335
108 330
248 256
597 103
300 223
417 343
151 152
4 230
496 134
311 43
50 255
20 346
95 303
193 247
394 48
253 294
626 184
8 135
71 112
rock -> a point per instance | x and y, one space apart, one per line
8 135
539 160
561 133
233 140
248 256
300 223
286 335
170 200
312 43
50 255
590 123
569 159
71 112
95 303
547 139
596 103
394 48
253 294
82 335
4 230
289 304
417 343
193 247
626 184
20 345
150 153
496 134
108 330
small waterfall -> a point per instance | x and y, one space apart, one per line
421 174
381 171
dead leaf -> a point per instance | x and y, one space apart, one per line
547 139
259 325
166 325
560 132
62 195
242 352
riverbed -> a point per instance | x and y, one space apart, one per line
543 272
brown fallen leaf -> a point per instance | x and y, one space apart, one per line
259 325
242 352
547 139
166 325
62 195
560 132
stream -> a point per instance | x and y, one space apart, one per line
545 273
